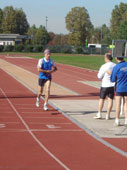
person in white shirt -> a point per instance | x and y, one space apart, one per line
107 87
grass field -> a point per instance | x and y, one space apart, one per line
84 61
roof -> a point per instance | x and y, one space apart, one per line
14 36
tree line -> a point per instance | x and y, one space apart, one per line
78 23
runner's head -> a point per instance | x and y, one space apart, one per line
47 54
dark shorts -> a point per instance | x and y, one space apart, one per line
107 91
42 82
121 94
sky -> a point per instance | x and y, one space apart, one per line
56 11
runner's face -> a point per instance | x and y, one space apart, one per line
47 56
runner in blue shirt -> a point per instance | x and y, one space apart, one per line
119 76
46 67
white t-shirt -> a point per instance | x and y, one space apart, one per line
41 61
104 76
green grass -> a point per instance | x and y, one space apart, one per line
84 61
93 62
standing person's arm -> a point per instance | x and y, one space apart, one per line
114 75
101 73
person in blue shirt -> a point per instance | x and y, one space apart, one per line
45 67
119 76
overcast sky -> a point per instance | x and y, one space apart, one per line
56 11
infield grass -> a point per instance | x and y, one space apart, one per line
85 61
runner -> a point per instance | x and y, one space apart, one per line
46 67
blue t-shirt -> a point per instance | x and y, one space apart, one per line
119 75
46 65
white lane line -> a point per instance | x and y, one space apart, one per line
42 130
34 112
34 137
44 117
53 126
40 123
11 122
25 105
2 125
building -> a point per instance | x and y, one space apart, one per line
13 39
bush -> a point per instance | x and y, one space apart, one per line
19 48
79 50
9 48
1 48
28 48
37 48
66 49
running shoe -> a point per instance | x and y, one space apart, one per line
117 122
107 117
46 107
37 103
98 116
125 123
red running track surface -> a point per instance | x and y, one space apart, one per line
45 140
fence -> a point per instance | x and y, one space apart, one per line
55 49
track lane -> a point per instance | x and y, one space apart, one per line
64 145
65 72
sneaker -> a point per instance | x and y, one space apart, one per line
46 107
117 122
37 103
107 117
98 116
125 123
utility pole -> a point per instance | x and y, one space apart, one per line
46 22
46 30
101 34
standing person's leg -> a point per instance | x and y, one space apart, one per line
100 107
118 105
109 108
47 93
125 109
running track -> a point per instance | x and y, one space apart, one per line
32 139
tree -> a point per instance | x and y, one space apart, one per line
122 31
14 21
119 15
79 24
21 22
32 32
41 36
1 20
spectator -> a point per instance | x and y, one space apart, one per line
119 75
107 87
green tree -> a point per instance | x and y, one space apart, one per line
119 15
41 37
32 32
22 24
79 24
122 31
1 20
14 21
8 24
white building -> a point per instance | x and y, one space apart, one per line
12 39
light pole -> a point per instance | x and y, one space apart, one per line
101 34
46 30
46 22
